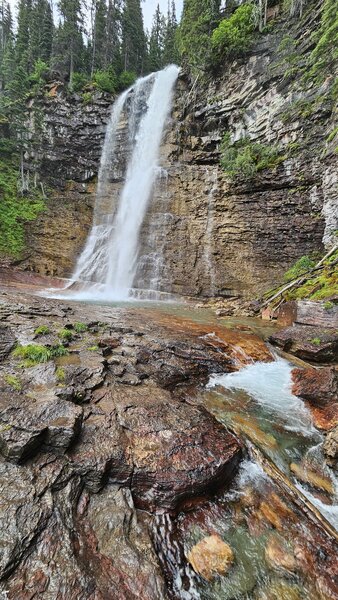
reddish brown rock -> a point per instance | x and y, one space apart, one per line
309 343
318 386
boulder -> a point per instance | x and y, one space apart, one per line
318 386
307 342
211 557
330 446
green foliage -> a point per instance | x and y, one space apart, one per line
93 348
315 341
325 54
234 35
245 158
15 210
87 98
60 374
40 69
80 327
318 285
303 264
328 305
134 44
65 334
332 135
13 382
194 32
42 330
58 350
106 81
126 80
32 354
79 81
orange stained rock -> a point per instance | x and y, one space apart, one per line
278 555
244 348
211 557
324 417
314 479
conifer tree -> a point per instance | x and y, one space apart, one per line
156 41
22 45
198 20
134 46
112 54
69 47
99 35
41 34
170 51
6 43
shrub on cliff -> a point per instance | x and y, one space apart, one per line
15 209
106 81
245 158
126 79
234 35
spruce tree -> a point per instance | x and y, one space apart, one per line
99 35
41 34
112 53
194 35
6 43
69 47
23 38
134 46
170 51
156 41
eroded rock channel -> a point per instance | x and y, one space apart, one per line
109 456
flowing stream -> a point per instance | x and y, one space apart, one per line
107 265
265 529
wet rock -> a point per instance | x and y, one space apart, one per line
318 386
23 514
278 554
330 446
28 425
20 432
211 557
177 451
7 341
313 479
280 590
109 342
308 343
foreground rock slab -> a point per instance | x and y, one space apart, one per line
92 436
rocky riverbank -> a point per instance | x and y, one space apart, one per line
98 428
104 440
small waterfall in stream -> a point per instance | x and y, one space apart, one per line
109 260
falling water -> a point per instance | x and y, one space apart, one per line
212 183
108 262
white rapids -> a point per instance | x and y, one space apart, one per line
270 385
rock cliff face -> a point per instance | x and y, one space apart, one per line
206 234
228 237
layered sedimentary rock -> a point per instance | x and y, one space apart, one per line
205 233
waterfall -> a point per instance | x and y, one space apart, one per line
108 262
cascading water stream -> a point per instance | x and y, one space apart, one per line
108 262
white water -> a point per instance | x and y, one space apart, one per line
108 262
270 385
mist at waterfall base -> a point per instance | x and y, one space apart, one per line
106 268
